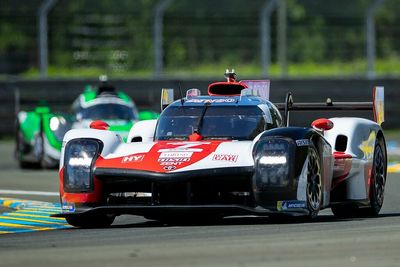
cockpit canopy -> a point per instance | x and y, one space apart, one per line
107 111
213 122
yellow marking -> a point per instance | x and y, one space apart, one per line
394 168
45 229
8 202
43 210
43 207
35 211
27 220
36 216
5 232
15 225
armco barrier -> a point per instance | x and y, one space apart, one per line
59 94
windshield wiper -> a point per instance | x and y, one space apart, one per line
175 137
220 137
201 118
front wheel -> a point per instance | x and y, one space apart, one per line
38 147
314 183
91 221
21 150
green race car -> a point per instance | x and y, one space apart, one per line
39 133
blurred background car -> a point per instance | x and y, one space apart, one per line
40 132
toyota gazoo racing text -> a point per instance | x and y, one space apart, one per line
231 152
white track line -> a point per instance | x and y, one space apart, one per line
32 193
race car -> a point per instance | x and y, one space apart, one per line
40 132
231 152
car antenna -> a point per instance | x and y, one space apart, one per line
180 91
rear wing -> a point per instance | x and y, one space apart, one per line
377 106
258 87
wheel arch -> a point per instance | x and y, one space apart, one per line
301 139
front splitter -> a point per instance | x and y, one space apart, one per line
223 210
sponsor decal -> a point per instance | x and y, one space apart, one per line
220 100
176 155
184 147
367 146
225 157
290 205
169 168
68 207
303 142
133 158
172 161
174 158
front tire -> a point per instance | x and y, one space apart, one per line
21 150
38 147
91 221
314 183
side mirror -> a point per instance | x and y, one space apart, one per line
322 124
99 125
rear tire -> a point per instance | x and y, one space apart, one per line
91 221
44 161
378 180
377 188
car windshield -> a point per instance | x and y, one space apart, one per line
107 111
219 122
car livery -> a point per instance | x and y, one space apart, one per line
40 132
231 152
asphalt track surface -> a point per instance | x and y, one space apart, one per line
134 241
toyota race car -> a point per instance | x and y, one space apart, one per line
40 132
231 152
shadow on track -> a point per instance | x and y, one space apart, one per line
239 220
248 220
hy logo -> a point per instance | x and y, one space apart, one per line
132 158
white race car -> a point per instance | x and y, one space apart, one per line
227 153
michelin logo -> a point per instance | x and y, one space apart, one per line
68 207
289 205
303 142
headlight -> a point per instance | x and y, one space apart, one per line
79 157
272 162
54 123
59 125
